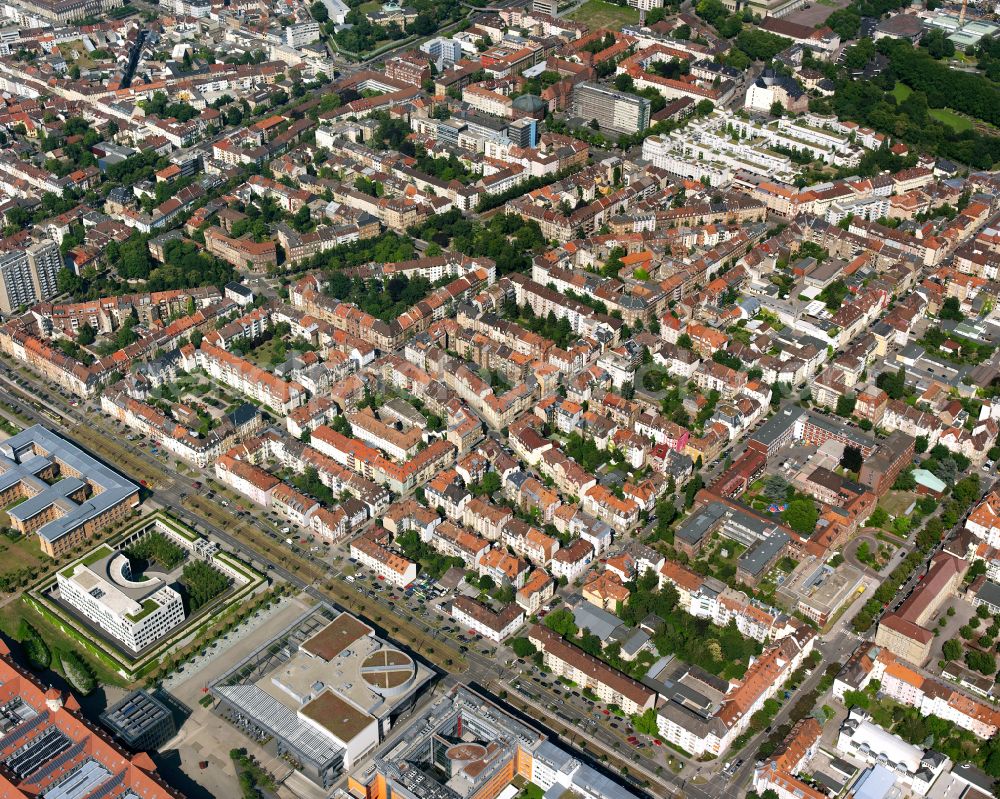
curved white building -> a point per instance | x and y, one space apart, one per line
135 611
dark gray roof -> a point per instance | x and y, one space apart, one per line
22 465
912 351
763 553
239 288
243 414
776 427
134 714
971 775
990 593
600 622
695 527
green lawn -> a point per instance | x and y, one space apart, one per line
20 553
895 502
598 14
10 621
943 115
950 118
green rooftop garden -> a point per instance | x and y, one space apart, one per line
147 607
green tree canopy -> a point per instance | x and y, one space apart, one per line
562 622
801 515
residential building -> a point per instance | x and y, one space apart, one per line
28 275
984 520
243 253
703 714
280 395
573 560
564 659
880 470
412 68
493 625
538 589
614 111
445 53
779 772
387 564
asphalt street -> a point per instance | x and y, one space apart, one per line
490 669
169 493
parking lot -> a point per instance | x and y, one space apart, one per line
426 602
423 600
815 12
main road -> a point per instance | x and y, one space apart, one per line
170 491
488 670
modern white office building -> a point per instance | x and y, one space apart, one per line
301 34
331 697
445 53
136 612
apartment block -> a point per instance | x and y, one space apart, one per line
493 625
280 395
569 661
29 275
615 111
243 253
387 564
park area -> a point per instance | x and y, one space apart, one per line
946 116
598 14
875 555
21 561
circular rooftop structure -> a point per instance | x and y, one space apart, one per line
530 103
120 572
389 672
466 752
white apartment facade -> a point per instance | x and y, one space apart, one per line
128 610
392 568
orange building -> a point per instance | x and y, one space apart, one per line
51 744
